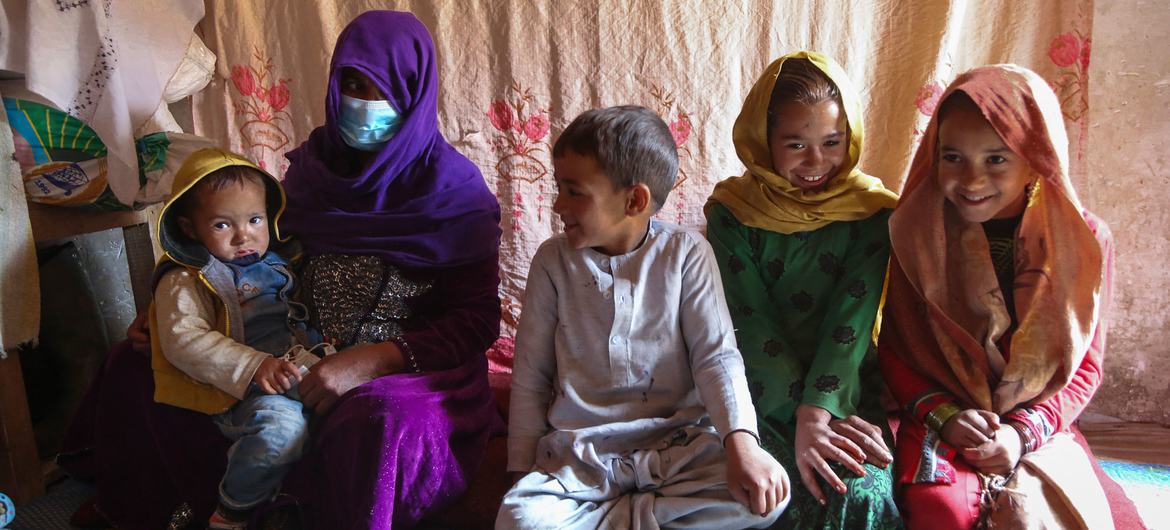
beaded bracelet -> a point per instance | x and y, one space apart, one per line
407 353
936 418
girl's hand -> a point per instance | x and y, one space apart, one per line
276 376
139 334
754 478
998 456
970 428
816 442
343 371
867 436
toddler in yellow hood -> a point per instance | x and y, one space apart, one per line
222 321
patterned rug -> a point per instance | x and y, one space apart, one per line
52 511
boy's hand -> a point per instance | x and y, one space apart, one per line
816 441
970 428
999 455
276 376
754 478
867 436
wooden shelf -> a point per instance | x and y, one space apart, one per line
56 222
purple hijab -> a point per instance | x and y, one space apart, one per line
416 203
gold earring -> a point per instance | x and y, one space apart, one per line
1032 191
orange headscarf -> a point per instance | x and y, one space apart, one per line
945 310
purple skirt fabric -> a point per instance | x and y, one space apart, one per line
391 452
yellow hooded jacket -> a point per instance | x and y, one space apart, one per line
195 321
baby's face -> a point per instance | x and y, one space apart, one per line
808 143
977 173
231 222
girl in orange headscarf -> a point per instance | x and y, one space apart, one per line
994 330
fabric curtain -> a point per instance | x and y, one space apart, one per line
514 73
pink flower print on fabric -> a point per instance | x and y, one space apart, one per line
279 96
1066 50
243 79
927 98
536 127
680 130
500 114
1070 51
523 128
261 106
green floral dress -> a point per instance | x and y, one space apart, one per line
804 306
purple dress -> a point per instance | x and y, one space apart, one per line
416 229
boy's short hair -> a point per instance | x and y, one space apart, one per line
800 81
631 144
216 181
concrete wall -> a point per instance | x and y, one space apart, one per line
1126 181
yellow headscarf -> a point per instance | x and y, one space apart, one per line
762 199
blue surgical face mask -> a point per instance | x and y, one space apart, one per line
367 125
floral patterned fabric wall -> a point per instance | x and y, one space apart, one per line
514 73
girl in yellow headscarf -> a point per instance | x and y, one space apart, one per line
802 244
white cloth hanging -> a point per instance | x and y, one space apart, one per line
20 293
104 62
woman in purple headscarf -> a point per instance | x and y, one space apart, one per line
401 240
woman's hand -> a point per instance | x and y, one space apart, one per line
139 334
276 376
343 371
867 436
998 456
815 442
754 478
970 428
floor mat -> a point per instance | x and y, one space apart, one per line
1149 487
1147 484
52 511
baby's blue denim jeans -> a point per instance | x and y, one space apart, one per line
270 433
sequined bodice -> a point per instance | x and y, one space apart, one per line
356 299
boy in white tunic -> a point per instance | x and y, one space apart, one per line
629 404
